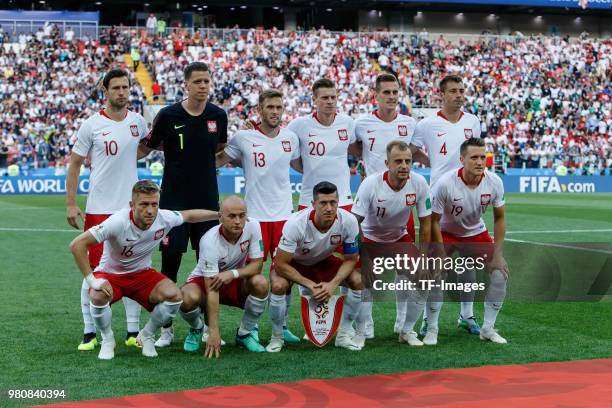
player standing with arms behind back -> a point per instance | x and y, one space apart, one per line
190 132
266 153
110 137
374 131
460 199
442 135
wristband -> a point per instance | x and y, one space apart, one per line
93 282
235 273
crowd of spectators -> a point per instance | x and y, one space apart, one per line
49 85
542 100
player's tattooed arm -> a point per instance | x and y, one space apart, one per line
72 179
499 234
213 346
296 164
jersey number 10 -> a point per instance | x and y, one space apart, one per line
111 147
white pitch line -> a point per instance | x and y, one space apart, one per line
599 251
38 229
560 231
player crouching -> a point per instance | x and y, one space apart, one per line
460 199
304 256
129 237
228 272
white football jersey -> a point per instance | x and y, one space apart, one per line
324 153
442 139
218 255
127 248
308 245
461 207
266 163
386 210
112 147
375 134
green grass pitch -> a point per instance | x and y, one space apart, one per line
41 319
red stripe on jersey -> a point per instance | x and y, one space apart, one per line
311 217
443 116
103 113
386 179
375 113
314 115
460 175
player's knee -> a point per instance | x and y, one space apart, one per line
98 298
191 299
171 293
259 286
354 281
279 285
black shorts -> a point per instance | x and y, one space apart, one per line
177 239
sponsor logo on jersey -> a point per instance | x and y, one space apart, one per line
441 134
178 126
403 130
244 246
286 145
335 239
159 234
342 134
106 133
468 133
485 199
134 130
410 199
212 126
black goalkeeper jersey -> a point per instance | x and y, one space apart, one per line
189 144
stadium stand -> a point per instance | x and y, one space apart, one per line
543 100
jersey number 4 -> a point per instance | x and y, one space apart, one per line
443 149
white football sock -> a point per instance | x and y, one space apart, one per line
364 317
277 314
435 300
401 297
88 322
193 318
102 316
288 299
162 314
352 304
132 314
253 309
494 298
415 305
467 298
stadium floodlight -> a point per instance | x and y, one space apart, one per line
275 7
329 9
243 7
